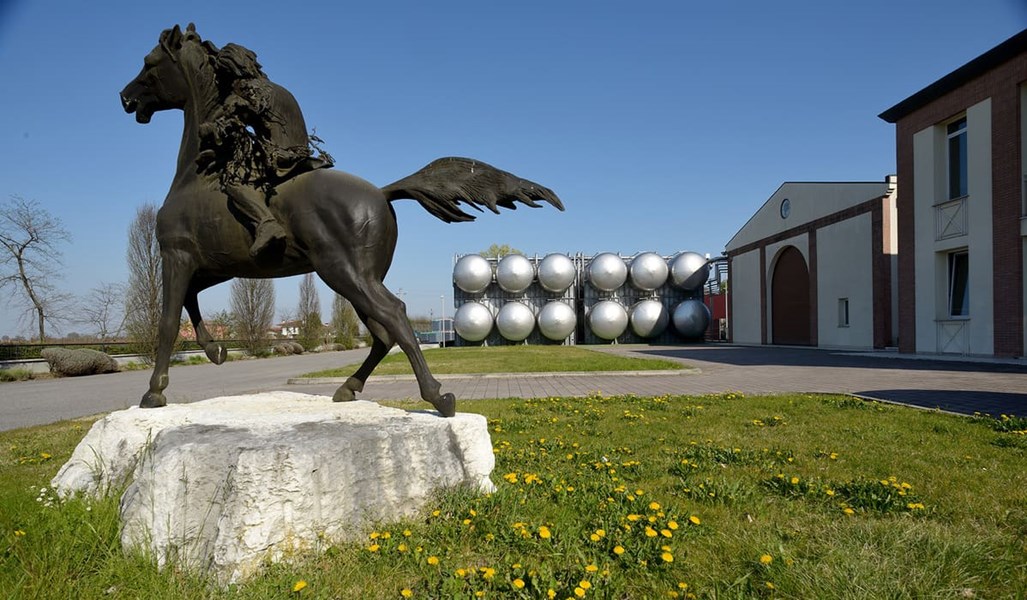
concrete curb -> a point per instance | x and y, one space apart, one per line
463 376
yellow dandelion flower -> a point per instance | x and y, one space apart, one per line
694 520
639 492
770 586
654 505
18 533
591 568
374 535
618 550
518 583
407 533
299 585
386 535
672 525
436 513
402 548
407 593
650 532
594 537
682 585
848 511
601 532
795 480
488 572
766 559
544 533
633 517
666 533
461 573
373 548
550 593
433 560
585 585
579 592
667 557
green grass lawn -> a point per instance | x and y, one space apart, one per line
509 359
724 496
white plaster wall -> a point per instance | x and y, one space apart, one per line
745 298
845 270
808 201
931 256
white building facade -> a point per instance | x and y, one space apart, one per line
816 266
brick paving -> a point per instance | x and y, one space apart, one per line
960 386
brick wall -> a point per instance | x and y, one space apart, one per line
1002 85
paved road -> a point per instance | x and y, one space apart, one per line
47 400
966 387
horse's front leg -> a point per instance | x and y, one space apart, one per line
177 270
216 352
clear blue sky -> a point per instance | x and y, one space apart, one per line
663 126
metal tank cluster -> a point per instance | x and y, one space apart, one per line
561 299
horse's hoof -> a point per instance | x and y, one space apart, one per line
446 405
343 394
216 353
354 384
153 400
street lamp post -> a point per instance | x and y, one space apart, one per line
442 323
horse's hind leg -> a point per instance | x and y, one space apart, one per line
373 299
380 346
216 352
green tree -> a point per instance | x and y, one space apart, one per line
311 326
499 251
345 324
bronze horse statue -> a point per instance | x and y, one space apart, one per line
336 224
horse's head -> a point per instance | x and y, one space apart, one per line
162 84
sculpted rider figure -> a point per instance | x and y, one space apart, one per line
253 141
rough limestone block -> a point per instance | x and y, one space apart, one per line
230 483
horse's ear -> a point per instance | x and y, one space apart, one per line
190 33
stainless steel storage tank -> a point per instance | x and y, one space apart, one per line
607 272
556 320
556 273
515 321
472 321
691 318
648 271
515 273
472 273
649 318
689 271
608 319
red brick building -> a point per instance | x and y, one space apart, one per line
962 208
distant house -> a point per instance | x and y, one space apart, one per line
962 164
287 329
815 267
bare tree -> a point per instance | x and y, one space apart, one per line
309 314
253 305
143 300
103 310
29 239
345 324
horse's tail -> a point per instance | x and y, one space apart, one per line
441 185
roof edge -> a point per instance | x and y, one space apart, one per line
989 60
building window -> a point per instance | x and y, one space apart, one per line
959 284
956 144
843 312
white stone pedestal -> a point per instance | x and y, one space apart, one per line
229 483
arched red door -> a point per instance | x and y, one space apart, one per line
789 305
